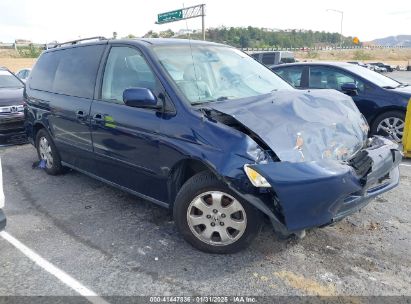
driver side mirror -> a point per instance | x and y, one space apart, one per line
140 98
350 89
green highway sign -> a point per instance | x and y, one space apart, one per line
170 16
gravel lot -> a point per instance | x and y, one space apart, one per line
117 245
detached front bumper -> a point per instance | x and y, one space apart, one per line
316 194
12 129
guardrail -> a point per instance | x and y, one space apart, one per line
325 48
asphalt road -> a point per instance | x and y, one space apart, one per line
116 245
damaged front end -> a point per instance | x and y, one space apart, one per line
318 193
312 158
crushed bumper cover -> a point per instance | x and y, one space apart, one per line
2 220
318 193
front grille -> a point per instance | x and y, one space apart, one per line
361 163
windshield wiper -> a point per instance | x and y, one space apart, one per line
221 98
388 87
200 102
402 85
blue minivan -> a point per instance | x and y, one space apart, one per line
205 130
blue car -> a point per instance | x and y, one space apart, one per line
208 132
382 100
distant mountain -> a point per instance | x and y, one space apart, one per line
400 40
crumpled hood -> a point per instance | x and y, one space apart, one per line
405 91
302 125
11 96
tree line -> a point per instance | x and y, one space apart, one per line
252 37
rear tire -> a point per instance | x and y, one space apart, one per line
47 152
392 122
212 218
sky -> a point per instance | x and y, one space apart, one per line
47 20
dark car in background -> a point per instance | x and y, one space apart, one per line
11 109
382 100
205 130
382 65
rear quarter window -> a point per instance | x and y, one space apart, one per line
70 71
43 73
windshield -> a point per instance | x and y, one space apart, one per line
214 73
8 80
376 78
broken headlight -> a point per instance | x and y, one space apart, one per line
259 155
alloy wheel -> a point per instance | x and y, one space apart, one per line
394 126
216 218
45 152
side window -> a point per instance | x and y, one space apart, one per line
126 68
292 75
327 78
77 70
23 74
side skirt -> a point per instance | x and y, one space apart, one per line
135 193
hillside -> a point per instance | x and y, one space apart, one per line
400 40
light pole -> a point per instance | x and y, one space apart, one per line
342 18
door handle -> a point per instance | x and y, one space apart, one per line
81 115
98 117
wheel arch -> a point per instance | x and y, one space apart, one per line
37 126
183 171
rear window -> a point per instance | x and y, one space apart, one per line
69 72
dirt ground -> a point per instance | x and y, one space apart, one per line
15 64
401 57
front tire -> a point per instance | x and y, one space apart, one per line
47 152
212 218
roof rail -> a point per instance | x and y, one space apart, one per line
72 42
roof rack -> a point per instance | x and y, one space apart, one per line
72 42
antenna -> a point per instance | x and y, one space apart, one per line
192 58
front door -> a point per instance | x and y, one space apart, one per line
125 139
